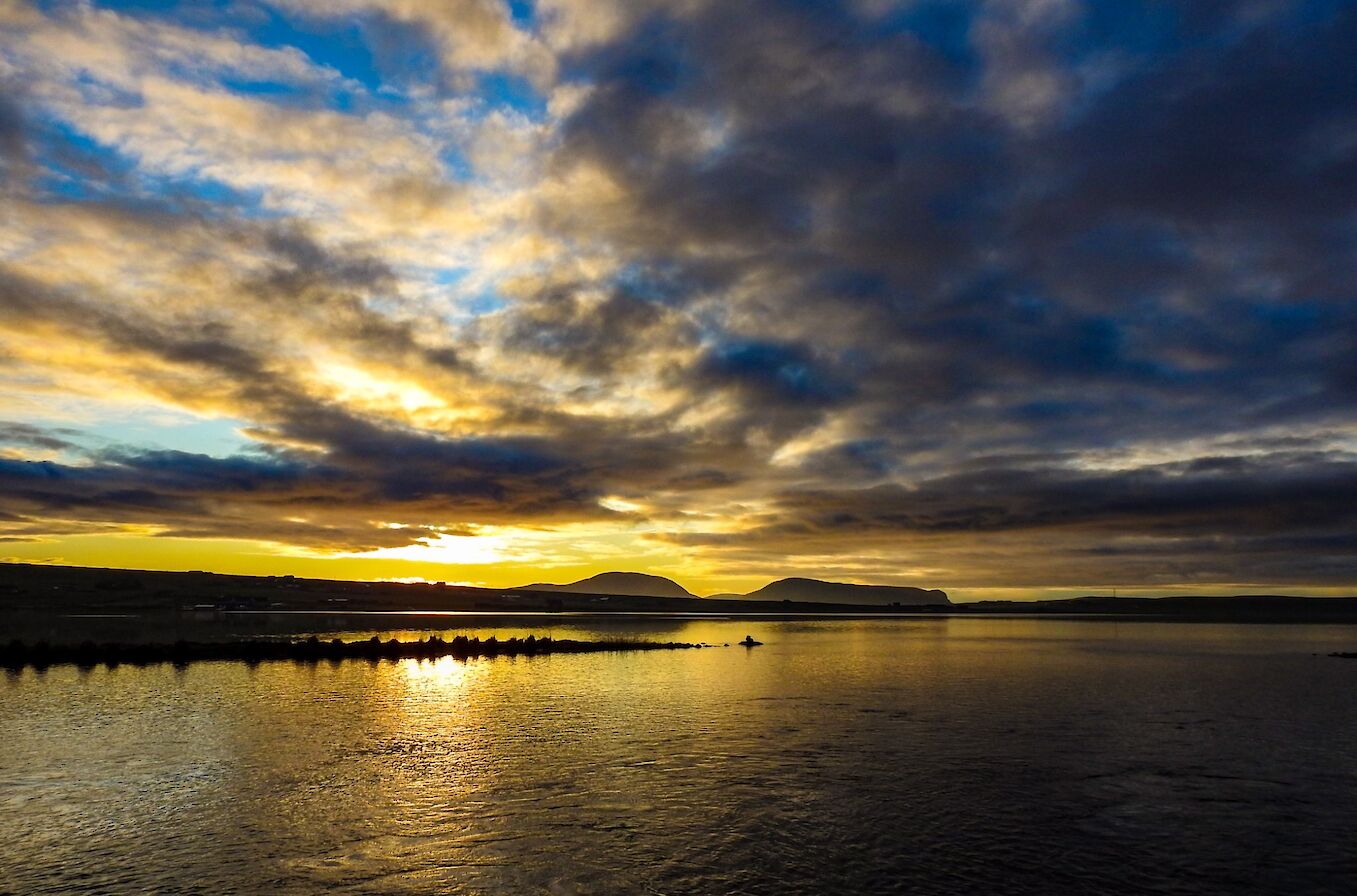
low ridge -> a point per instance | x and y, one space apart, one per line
816 591
633 584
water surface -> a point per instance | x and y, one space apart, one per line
873 755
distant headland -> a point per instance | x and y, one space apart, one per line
845 593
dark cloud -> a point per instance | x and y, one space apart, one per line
695 480
341 499
772 373
13 132
593 335
14 433
1161 240
1247 131
1234 494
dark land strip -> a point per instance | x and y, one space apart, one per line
33 591
19 654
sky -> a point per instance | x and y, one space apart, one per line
1014 298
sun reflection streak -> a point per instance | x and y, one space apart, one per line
441 677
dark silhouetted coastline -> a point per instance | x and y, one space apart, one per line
57 591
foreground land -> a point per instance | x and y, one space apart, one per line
62 590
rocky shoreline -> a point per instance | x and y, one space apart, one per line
40 655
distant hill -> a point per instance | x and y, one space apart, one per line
816 591
635 584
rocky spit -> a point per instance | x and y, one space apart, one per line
40 655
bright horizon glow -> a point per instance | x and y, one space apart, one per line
244 558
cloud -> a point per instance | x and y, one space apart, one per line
588 331
1047 290
470 35
341 499
13 136
1205 495
14 433
772 371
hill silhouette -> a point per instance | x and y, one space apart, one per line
816 591
636 584
631 584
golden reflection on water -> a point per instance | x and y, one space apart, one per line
444 676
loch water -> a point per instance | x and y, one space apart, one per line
920 755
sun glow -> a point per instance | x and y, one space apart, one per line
362 388
459 550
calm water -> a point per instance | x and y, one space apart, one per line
924 756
